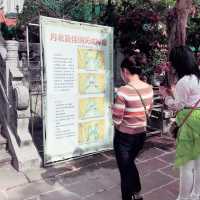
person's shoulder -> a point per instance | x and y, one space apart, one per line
121 91
145 89
147 86
125 91
185 80
122 88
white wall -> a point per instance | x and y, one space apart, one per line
10 5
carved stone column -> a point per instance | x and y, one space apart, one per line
3 50
3 53
11 68
12 48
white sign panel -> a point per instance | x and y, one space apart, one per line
78 75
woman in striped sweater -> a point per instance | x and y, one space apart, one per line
130 123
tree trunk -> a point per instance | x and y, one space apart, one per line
177 24
177 29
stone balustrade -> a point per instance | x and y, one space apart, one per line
16 105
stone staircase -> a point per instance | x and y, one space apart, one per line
5 157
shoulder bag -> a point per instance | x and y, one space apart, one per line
174 128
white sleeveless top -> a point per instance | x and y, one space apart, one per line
187 93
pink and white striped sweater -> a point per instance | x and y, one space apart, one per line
128 111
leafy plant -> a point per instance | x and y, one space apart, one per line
8 33
138 24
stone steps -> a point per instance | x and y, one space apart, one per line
5 157
3 143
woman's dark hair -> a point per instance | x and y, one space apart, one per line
129 64
184 62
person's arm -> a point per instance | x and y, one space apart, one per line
181 93
118 109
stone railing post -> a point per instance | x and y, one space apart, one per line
3 53
11 64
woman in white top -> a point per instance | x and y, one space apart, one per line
185 96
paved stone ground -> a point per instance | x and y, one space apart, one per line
95 177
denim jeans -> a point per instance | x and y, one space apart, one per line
126 148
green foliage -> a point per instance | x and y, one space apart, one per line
33 8
163 6
137 23
193 33
8 33
193 29
85 11
159 57
196 2
80 10
55 5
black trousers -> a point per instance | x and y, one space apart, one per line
126 148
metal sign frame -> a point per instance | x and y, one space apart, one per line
41 81
43 75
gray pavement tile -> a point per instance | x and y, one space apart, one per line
32 189
109 181
150 166
110 164
90 172
59 195
173 188
11 178
108 176
169 157
149 154
162 193
107 172
35 175
2 196
164 143
110 154
168 192
171 170
91 182
88 160
33 198
110 194
76 177
154 181
86 188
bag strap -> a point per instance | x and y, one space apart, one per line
188 115
143 103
